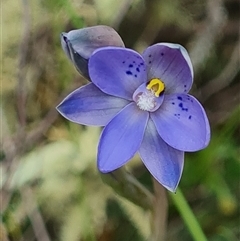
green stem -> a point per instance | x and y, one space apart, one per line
188 216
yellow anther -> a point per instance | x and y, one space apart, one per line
157 86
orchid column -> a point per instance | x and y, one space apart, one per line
141 100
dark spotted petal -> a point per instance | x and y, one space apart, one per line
182 123
170 63
117 71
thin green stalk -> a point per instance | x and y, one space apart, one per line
188 216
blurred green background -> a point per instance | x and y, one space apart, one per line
50 187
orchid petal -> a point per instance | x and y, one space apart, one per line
90 106
117 71
170 63
86 40
163 162
64 43
121 138
79 62
79 44
182 123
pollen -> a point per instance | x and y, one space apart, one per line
146 101
156 86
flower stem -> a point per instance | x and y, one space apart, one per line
159 213
188 216
126 185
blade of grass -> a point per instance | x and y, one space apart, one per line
188 216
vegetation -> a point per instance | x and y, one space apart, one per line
51 188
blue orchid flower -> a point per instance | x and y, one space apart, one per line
143 103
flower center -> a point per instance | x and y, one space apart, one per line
157 86
146 101
148 97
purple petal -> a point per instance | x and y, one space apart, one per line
84 41
182 123
121 138
79 44
64 43
117 71
163 162
171 64
90 106
81 64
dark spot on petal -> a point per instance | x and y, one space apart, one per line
149 55
134 62
123 62
179 98
190 117
141 63
173 103
177 115
138 70
185 86
130 65
162 54
129 72
181 105
150 62
135 75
